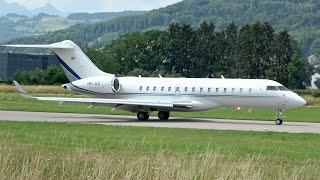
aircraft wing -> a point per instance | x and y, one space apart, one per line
115 102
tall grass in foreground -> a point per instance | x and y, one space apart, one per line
41 89
22 161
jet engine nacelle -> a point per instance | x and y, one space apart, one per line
95 85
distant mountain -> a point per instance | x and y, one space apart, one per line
6 8
48 9
16 26
300 17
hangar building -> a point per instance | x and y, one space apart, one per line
11 62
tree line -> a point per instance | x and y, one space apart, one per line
251 51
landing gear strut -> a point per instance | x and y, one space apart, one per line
163 115
279 117
143 116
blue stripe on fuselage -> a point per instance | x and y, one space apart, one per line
67 67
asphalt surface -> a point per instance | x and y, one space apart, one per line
194 123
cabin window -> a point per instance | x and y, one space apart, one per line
241 90
140 88
233 89
147 88
282 88
186 89
169 88
154 88
225 90
272 88
209 89
201 89
193 89
177 89
250 90
162 88
217 89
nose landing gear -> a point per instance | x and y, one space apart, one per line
279 117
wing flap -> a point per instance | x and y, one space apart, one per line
108 101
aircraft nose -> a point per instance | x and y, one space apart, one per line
299 101
302 102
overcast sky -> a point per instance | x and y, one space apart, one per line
97 5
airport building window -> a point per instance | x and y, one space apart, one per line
186 89
162 88
140 88
154 88
201 89
225 90
217 89
147 88
209 89
241 90
193 89
169 88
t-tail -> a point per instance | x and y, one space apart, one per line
73 60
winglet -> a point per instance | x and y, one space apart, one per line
22 91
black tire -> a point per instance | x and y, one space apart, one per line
163 115
143 116
279 121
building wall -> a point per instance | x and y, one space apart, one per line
10 63
3 67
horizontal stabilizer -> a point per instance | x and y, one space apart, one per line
60 45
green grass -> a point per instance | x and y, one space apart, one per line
12 101
74 151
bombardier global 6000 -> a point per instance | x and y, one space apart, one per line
143 95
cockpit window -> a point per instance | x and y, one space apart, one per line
282 88
272 88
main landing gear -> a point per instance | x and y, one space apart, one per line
163 115
279 117
144 116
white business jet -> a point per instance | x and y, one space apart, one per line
143 95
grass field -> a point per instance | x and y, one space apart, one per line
73 151
12 101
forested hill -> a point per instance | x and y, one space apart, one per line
300 17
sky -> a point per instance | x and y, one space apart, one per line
97 5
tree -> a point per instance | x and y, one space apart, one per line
103 60
282 56
201 66
317 83
299 72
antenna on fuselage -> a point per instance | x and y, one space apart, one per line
222 77
160 76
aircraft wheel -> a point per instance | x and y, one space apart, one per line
278 121
163 115
143 116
